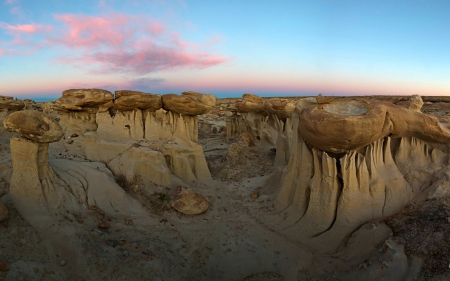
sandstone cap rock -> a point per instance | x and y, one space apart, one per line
34 125
185 104
207 99
190 202
9 103
91 100
127 100
281 108
250 103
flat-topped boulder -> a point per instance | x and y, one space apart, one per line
10 103
188 104
34 125
250 103
90 100
127 100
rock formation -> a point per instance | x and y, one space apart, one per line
189 103
415 103
138 139
355 161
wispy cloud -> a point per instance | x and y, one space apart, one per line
117 43
10 2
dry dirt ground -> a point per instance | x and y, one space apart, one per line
228 242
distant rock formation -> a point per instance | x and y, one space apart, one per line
189 103
353 161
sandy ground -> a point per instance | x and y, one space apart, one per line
228 242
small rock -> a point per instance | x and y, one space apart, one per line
4 266
125 254
63 262
103 225
128 222
190 202
135 245
255 195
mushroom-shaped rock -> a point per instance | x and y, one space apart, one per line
127 100
344 125
281 108
9 103
190 202
3 211
91 100
34 125
185 104
415 103
207 99
250 103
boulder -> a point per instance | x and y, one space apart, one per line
9 103
250 103
415 103
207 99
281 108
91 100
190 202
34 125
127 100
3 211
185 104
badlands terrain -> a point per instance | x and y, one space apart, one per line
136 186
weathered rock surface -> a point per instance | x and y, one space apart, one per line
190 103
415 103
190 202
89 100
344 125
281 108
251 103
10 103
34 125
3 211
355 161
127 100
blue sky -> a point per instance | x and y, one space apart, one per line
270 48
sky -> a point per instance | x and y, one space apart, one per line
226 48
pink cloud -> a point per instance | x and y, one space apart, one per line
113 43
10 2
126 43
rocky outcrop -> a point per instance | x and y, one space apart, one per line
127 100
138 139
250 103
189 202
34 125
10 104
355 161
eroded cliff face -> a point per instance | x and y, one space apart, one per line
325 196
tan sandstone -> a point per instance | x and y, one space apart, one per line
127 100
34 125
190 202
